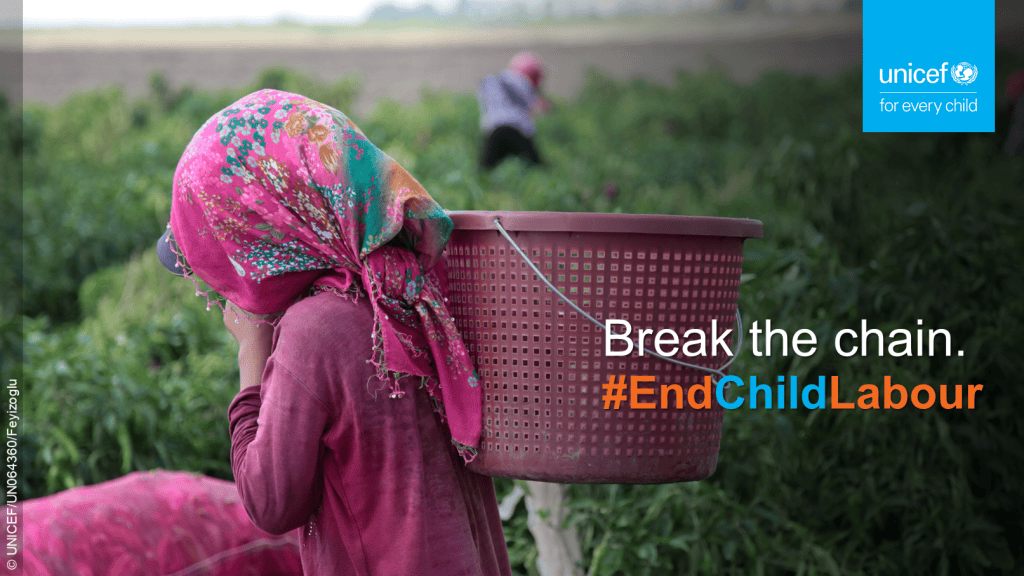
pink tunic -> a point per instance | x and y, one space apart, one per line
374 483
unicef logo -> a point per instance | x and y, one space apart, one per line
964 73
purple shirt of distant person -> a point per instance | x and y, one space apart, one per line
507 100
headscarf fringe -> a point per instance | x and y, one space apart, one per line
352 293
217 299
468 453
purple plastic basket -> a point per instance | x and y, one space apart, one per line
543 364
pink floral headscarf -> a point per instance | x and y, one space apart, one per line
277 194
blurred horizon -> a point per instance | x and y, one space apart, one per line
62 15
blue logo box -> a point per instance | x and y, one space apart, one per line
929 66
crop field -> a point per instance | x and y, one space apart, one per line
124 369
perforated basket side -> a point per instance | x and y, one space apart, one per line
543 366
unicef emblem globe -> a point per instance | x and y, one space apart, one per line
964 73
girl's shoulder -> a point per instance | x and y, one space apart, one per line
326 340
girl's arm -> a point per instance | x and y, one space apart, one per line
541 105
275 424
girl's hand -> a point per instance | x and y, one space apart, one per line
244 328
255 341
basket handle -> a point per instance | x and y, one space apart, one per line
717 372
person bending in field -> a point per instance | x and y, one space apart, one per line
359 404
508 103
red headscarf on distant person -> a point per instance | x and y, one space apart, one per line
529 65
278 193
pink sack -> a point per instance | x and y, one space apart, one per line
152 523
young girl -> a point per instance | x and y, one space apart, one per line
358 401
508 102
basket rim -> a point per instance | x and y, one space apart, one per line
574 222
